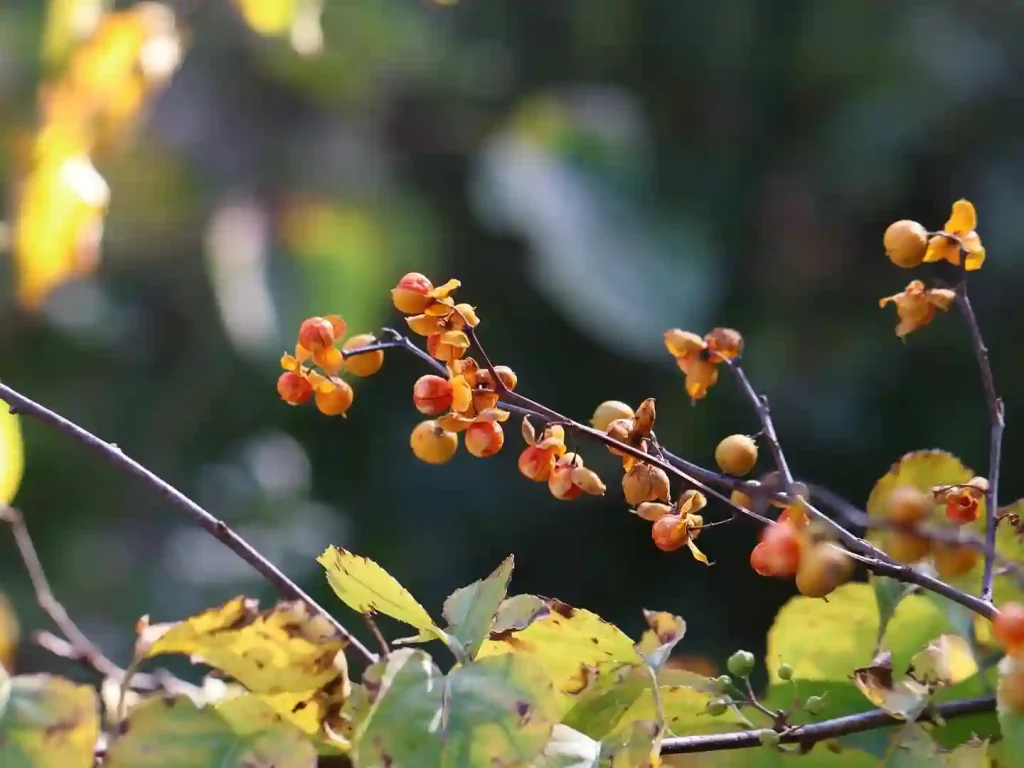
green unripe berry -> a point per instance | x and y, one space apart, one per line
785 672
723 684
815 705
768 738
741 663
717 707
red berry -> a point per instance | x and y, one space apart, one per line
669 533
431 394
411 295
782 548
293 388
316 334
484 438
1008 627
760 561
962 508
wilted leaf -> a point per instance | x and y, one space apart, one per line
275 651
470 610
173 732
565 641
827 640
495 711
904 699
656 643
12 455
366 587
47 722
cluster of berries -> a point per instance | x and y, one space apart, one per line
908 244
314 371
698 357
907 506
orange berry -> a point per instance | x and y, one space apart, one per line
412 294
619 429
905 243
773 484
431 394
1008 627
652 511
609 411
741 499
669 533
823 567
736 455
293 388
726 342
316 334
442 350
536 463
484 438
645 483
952 560
782 548
907 505
761 561
560 482
367 363
335 401
796 516
505 375
962 507
432 444
907 548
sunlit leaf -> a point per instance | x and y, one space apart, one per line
67 23
299 19
685 712
366 587
913 748
945 661
282 649
631 748
827 640
470 610
495 711
663 633
571 644
904 699
568 748
173 732
598 708
47 722
10 632
1011 719
308 711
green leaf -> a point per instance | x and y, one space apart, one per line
663 633
913 748
47 722
827 640
888 594
366 587
470 610
904 699
12 455
1011 721
496 712
172 732
632 748
607 696
569 643
518 612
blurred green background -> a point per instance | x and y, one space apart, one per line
595 172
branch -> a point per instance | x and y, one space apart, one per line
871 557
215 527
809 735
997 418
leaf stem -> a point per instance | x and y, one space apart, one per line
19 403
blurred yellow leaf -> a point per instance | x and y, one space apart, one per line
276 651
299 19
10 632
365 587
67 22
47 722
12 456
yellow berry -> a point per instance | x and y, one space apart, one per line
645 483
335 401
907 548
411 295
736 455
484 438
952 561
609 411
742 499
907 505
652 511
432 444
905 243
367 363
823 567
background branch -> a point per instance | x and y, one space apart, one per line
212 525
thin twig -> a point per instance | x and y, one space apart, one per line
377 634
84 648
212 525
808 735
997 418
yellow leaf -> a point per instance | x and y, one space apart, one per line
12 456
9 633
47 722
947 660
569 643
827 640
68 22
300 19
904 699
366 587
276 651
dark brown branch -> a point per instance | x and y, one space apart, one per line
808 735
997 421
212 525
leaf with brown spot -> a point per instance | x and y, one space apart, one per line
172 732
664 631
284 649
47 722
904 699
